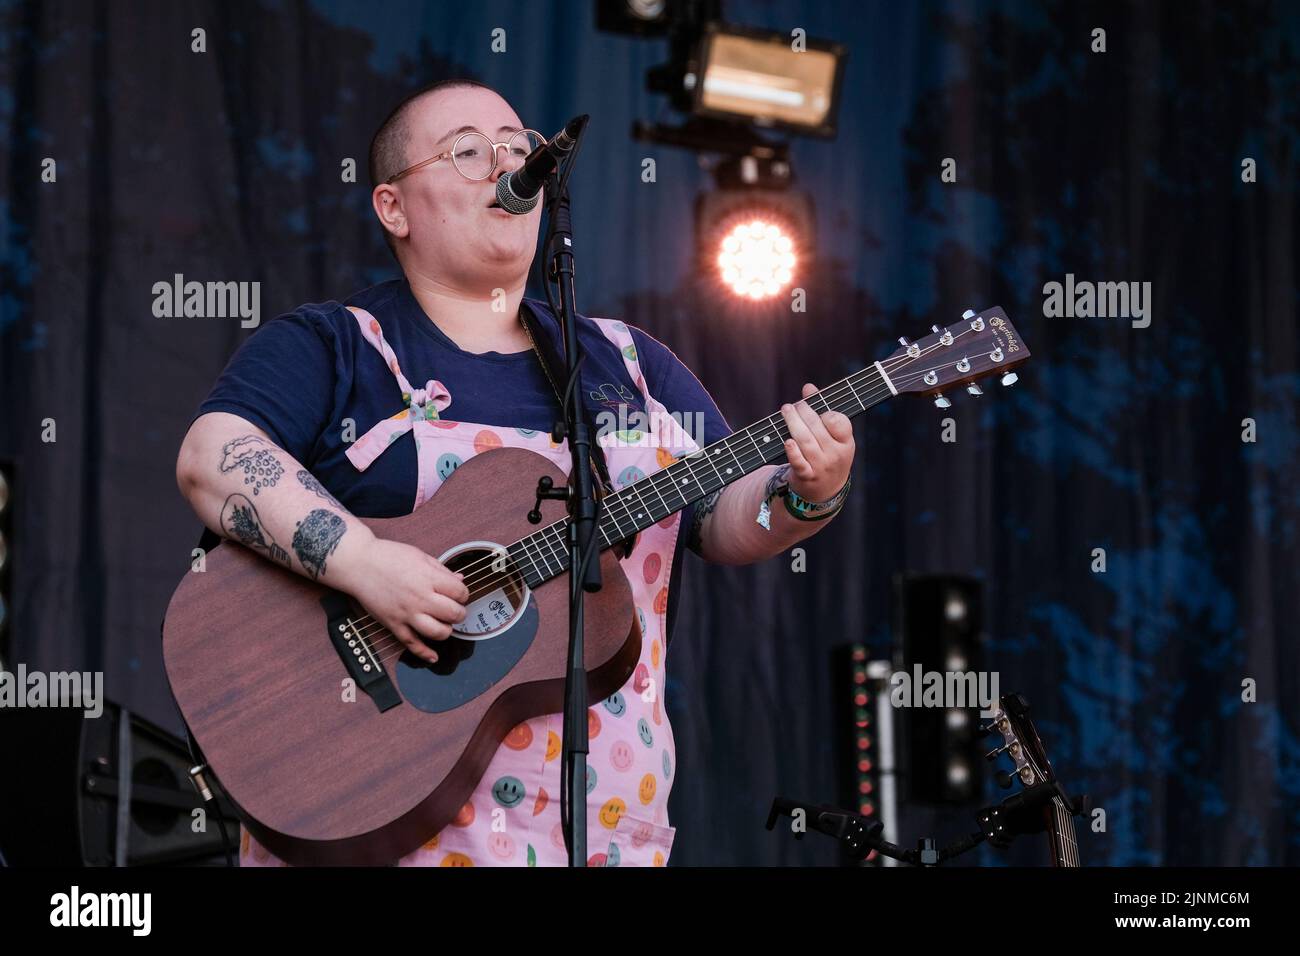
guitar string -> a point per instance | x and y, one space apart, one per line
375 630
1063 833
1072 845
841 391
654 479
551 545
373 627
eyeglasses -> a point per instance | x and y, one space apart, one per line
475 155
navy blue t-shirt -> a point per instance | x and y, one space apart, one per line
302 374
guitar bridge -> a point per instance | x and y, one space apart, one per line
357 653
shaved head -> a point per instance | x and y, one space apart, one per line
390 147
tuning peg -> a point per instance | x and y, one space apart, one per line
902 340
974 389
1004 779
968 314
942 402
934 329
1010 378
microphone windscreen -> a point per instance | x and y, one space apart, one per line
512 203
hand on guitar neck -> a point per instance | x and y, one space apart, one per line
819 452
249 490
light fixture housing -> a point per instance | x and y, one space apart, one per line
756 76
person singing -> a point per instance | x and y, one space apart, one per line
363 408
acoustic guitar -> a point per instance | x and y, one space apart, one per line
261 660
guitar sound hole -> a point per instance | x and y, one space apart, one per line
497 591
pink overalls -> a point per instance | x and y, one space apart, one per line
513 816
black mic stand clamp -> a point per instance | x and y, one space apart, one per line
1022 813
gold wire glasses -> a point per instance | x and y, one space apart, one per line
475 155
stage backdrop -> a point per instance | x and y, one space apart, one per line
1171 158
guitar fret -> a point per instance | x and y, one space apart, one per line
855 392
547 555
714 466
613 516
655 488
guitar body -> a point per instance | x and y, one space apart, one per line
322 773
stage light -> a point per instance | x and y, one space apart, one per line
958 774
635 17
646 9
757 259
941 748
754 241
759 77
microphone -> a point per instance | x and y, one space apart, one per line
519 189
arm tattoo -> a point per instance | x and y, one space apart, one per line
315 539
779 477
240 522
703 508
308 481
257 459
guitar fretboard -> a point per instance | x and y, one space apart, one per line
545 553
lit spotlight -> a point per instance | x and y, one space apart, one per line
958 773
757 259
755 234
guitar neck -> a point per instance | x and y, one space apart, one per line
1060 831
544 554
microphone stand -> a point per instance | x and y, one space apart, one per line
584 573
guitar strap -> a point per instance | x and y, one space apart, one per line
553 367
549 356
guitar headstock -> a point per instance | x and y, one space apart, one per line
980 345
1020 741
1021 813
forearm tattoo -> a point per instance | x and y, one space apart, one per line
315 539
779 477
308 481
703 508
240 522
261 467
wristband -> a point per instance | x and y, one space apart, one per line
798 506
805 510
